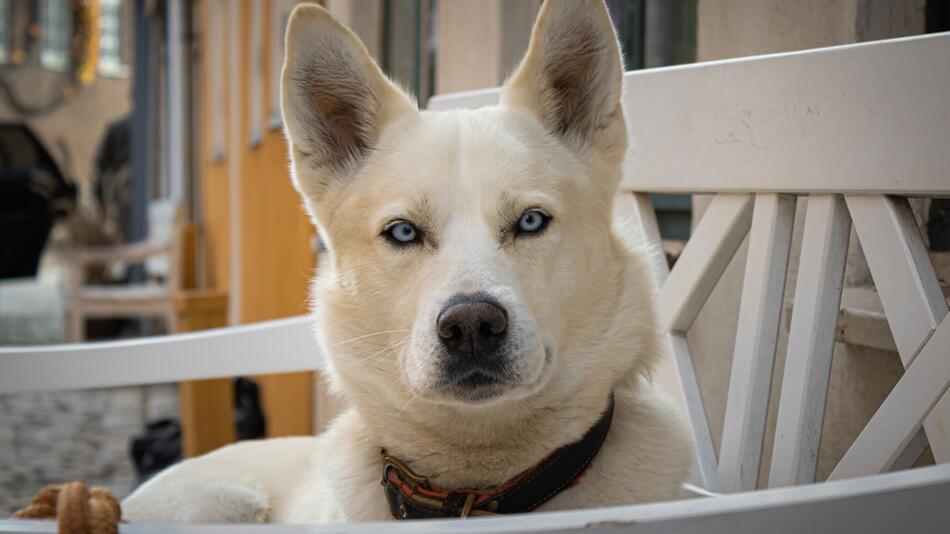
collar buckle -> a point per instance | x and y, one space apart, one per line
404 473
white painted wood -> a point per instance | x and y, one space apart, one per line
917 445
712 245
696 411
894 502
907 284
474 99
255 74
905 280
902 413
868 118
937 427
811 341
281 346
760 312
862 321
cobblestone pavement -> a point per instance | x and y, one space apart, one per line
48 438
54 437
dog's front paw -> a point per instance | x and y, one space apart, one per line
211 502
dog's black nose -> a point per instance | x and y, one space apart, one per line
472 326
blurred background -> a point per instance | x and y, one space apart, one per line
144 190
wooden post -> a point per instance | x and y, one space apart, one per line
207 406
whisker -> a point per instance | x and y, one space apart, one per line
372 334
387 348
404 406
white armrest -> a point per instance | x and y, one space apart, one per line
281 346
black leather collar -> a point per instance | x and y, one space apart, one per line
411 496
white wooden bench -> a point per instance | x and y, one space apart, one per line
857 129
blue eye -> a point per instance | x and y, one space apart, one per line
533 222
402 233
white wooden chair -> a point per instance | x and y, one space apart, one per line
161 254
855 128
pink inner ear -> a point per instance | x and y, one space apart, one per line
572 74
336 105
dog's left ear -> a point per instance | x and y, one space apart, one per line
571 76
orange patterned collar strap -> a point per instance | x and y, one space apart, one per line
411 496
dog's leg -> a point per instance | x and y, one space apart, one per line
241 483
210 502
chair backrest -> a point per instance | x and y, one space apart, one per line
857 129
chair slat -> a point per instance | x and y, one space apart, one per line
760 311
918 444
696 410
899 418
903 275
910 291
639 206
811 341
707 253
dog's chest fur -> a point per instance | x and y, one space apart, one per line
646 456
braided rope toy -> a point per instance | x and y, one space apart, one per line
77 508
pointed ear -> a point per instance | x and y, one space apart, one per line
334 98
571 76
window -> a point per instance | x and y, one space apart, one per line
4 30
57 30
217 17
279 15
656 33
408 37
255 70
110 38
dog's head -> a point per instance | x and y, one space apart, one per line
471 259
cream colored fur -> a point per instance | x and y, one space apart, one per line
580 299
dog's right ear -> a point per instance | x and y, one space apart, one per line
334 98
571 77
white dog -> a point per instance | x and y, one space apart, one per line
477 308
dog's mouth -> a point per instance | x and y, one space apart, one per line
479 385
477 380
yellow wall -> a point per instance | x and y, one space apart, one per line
275 235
